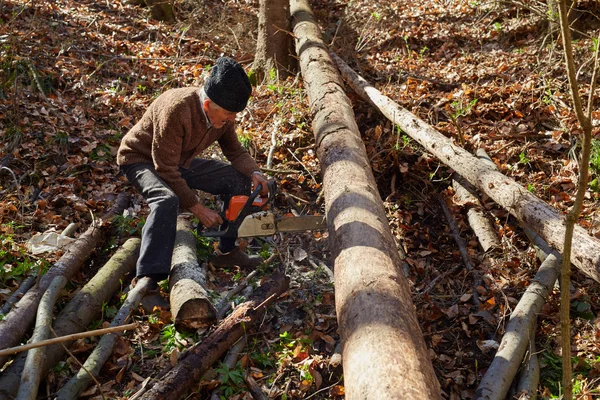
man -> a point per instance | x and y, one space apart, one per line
158 157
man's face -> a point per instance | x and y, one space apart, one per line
217 116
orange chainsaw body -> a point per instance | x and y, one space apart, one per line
237 203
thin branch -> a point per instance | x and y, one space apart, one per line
75 336
593 82
81 365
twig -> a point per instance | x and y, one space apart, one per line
75 336
462 248
17 294
236 39
322 390
13 175
81 365
36 79
303 166
273 144
437 279
280 171
301 200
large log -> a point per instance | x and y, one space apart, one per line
526 207
18 321
79 312
384 353
194 363
190 304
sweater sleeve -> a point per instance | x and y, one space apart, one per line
235 152
167 143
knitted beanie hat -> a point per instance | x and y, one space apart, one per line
228 85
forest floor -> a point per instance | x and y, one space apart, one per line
75 76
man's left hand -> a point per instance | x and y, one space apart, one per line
259 179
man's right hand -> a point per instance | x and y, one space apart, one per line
207 217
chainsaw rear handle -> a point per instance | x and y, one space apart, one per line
230 228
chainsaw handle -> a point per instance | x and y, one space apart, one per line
229 228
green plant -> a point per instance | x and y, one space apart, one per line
128 226
101 153
497 26
108 312
366 34
232 380
523 159
16 264
531 187
13 137
461 110
245 140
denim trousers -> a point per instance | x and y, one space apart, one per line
158 234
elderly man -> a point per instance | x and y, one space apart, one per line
158 157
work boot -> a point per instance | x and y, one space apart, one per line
235 257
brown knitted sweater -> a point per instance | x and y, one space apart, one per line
172 132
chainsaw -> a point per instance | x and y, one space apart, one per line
247 216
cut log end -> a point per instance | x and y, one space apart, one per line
195 314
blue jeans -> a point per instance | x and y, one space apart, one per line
158 234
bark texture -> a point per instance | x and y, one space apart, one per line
384 354
274 42
18 321
79 312
190 304
526 207
194 363
104 349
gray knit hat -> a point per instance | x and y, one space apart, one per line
228 85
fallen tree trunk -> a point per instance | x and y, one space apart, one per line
194 362
526 207
384 353
520 329
190 305
79 312
18 321
78 383
480 224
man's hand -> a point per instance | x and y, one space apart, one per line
207 217
259 179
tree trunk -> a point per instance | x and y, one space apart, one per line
526 207
274 42
384 353
79 312
200 357
190 304
18 321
